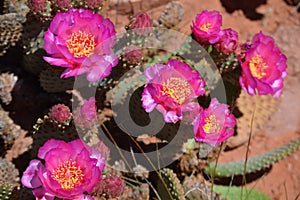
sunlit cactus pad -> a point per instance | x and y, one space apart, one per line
237 193
254 114
255 163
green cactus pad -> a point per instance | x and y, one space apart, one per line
51 82
9 131
265 106
11 30
46 129
22 193
235 193
172 15
225 63
8 172
133 80
197 188
33 44
6 191
169 187
254 164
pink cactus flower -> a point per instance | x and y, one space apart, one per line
141 24
171 89
86 115
70 171
214 124
263 67
60 113
206 27
81 41
228 41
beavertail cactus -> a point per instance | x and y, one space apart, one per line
46 129
6 190
265 107
51 82
254 164
11 30
8 173
234 193
169 187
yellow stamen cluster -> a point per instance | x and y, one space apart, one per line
211 125
257 67
69 175
81 44
177 88
205 27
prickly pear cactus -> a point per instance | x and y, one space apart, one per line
196 156
264 107
6 190
11 30
22 193
51 82
197 188
34 63
132 81
169 187
8 172
235 193
4 6
14 138
20 146
46 129
171 16
198 58
46 9
140 192
7 83
33 34
41 9
33 44
254 164
225 63
210 74
9 131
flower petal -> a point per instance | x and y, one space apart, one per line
57 61
77 35
49 145
40 194
148 102
30 178
267 65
